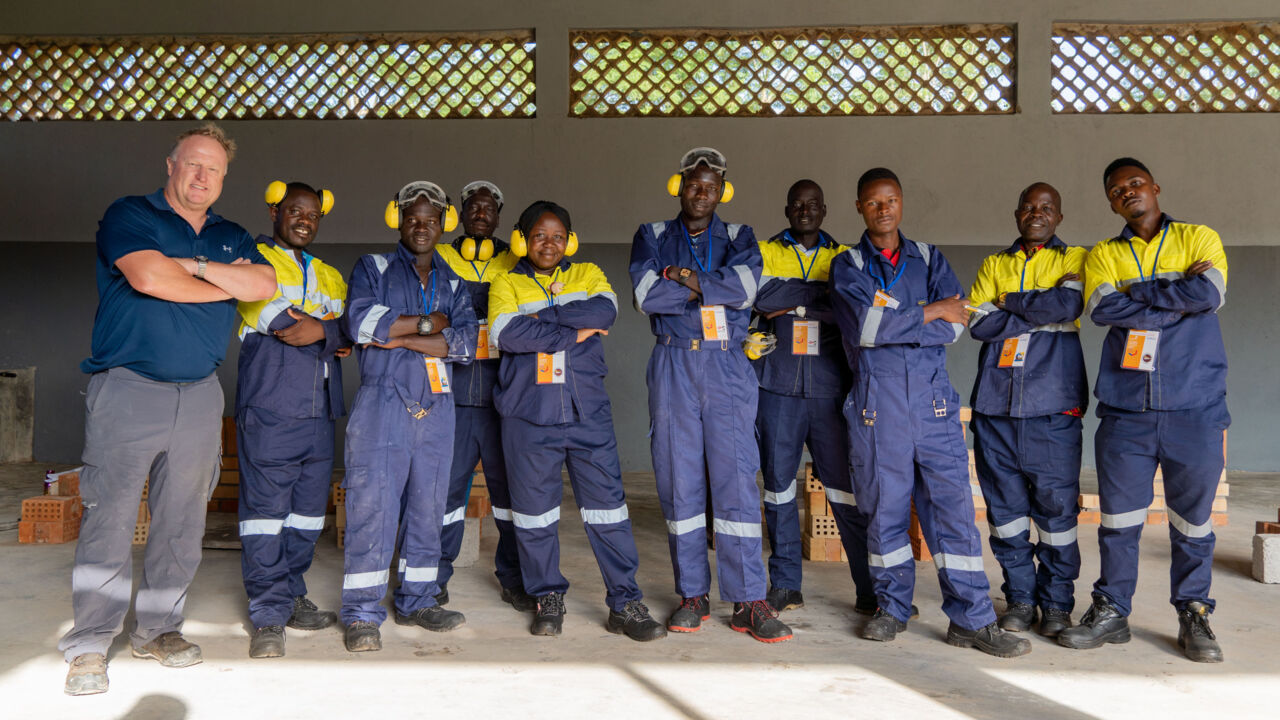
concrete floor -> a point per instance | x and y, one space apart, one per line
493 667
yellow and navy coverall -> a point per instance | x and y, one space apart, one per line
801 396
1027 408
477 434
287 399
1173 416
555 412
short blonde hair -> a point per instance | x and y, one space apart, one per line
209 130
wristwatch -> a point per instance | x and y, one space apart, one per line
202 262
425 325
1000 300
685 274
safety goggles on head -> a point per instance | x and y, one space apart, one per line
472 188
710 157
410 193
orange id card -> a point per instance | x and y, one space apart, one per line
715 326
438 376
551 368
804 337
485 349
1013 353
884 299
1140 350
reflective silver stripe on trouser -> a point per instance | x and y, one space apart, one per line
871 326
501 513
647 281
417 574
355 581
737 529
891 559
968 563
840 497
605 517
531 522
262 526
370 324
1219 282
748 285
1011 529
455 516
304 522
680 527
1099 292
784 496
1180 524
1062 538
1119 521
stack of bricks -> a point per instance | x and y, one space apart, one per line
226 494
55 516
820 541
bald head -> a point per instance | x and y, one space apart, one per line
1042 186
1038 213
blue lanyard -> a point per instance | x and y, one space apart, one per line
1022 280
306 270
479 272
817 248
689 239
902 265
550 300
1154 265
426 309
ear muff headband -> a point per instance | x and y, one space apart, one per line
520 246
676 182
471 250
277 190
391 216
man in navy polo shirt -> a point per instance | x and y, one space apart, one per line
169 275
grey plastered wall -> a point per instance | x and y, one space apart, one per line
961 174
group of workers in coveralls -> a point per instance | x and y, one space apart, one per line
487 350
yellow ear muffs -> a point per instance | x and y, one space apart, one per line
276 192
727 195
471 250
571 246
519 246
326 201
450 218
673 185
391 216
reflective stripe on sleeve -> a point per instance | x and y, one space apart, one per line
605 517
1011 529
871 326
532 522
782 496
737 529
261 526
647 281
370 324
356 581
680 527
1056 327
891 559
1073 285
748 285
1215 276
499 323
1099 293
1117 521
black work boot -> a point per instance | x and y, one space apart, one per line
1194 636
548 615
306 616
1018 617
1053 621
442 597
362 636
689 616
866 605
882 627
990 640
517 598
1100 625
267 642
434 618
760 619
635 622
784 599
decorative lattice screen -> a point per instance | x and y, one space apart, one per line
1200 67
901 70
474 75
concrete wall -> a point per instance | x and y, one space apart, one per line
961 174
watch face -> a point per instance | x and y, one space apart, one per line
685 273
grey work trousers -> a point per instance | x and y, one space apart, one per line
135 427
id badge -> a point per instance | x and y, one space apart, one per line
438 376
804 337
485 349
715 327
1013 353
551 368
1140 350
884 299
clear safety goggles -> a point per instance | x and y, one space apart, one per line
410 193
472 188
710 157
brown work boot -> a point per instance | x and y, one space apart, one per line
171 650
87 675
